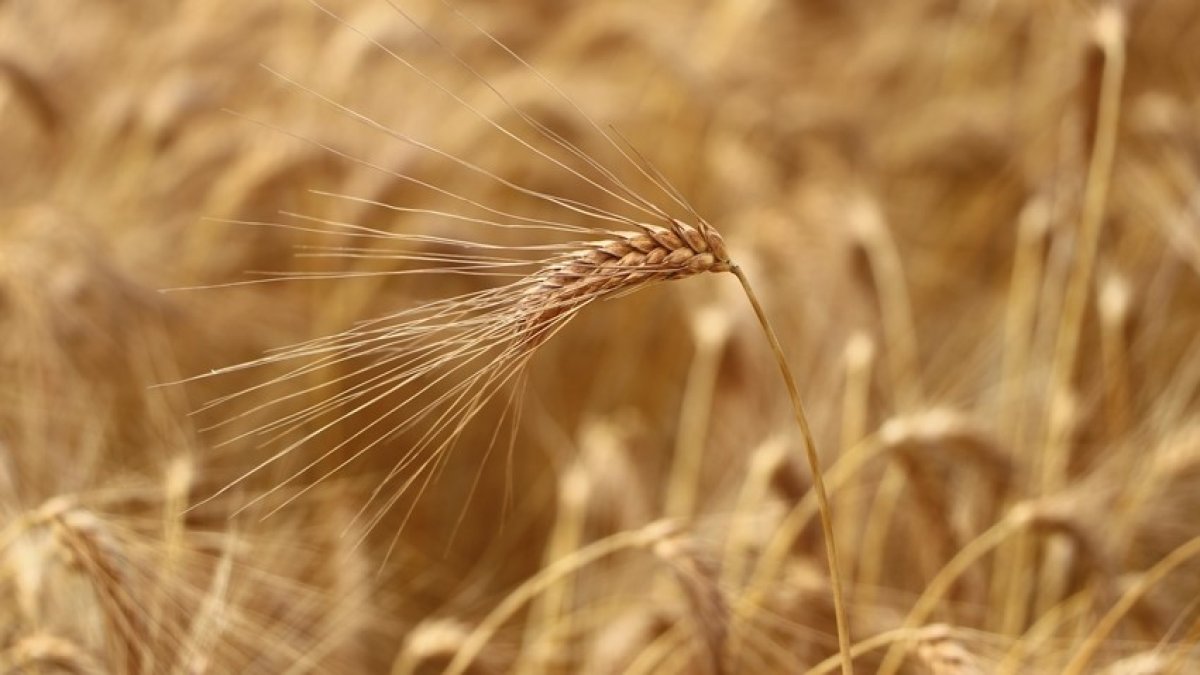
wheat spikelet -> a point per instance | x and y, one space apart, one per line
619 265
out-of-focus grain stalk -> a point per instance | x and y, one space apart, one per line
550 613
859 359
1107 56
1100 632
1010 587
710 329
875 242
1113 305
546 578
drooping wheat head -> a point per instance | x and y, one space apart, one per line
416 379
618 266
426 372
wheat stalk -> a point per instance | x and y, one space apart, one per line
487 338
501 329
429 370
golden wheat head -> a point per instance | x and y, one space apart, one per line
619 265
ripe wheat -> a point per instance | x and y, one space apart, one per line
427 372
620 265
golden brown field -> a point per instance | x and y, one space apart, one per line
975 226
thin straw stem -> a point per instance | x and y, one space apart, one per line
814 463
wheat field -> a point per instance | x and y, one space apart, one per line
320 351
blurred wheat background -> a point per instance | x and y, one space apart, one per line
976 225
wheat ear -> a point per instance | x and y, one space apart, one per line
617 266
478 344
488 337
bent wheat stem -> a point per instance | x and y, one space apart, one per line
416 379
814 462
